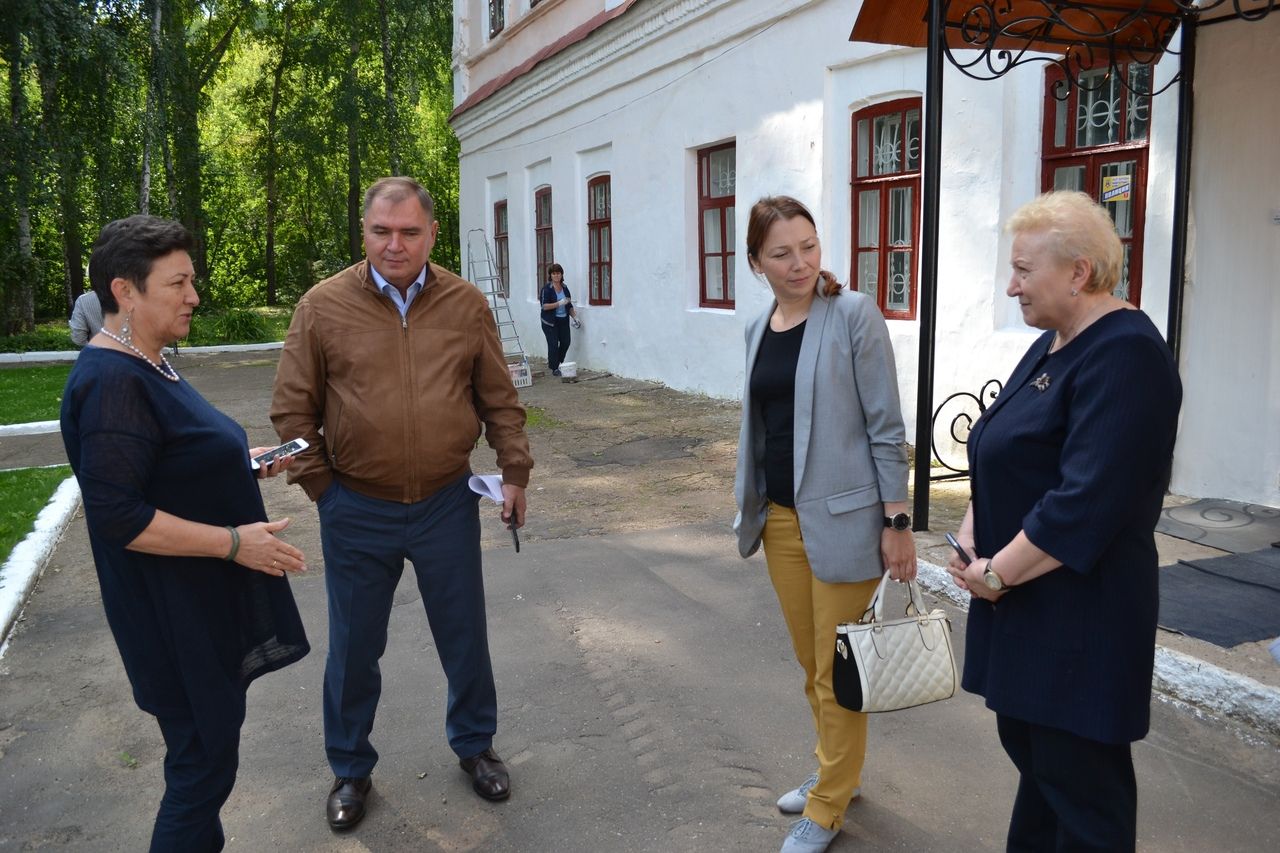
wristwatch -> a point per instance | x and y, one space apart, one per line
898 521
993 581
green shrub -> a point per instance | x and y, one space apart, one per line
46 337
229 326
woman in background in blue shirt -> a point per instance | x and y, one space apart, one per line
1068 470
192 573
557 310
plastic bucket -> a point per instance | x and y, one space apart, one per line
569 370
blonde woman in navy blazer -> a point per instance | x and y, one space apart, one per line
1068 471
821 482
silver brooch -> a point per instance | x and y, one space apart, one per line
1041 382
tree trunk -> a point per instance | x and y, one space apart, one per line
355 247
149 125
19 296
388 83
273 162
67 156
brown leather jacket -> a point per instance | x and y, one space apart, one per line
401 402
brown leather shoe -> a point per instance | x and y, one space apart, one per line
346 801
489 777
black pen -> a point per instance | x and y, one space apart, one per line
515 537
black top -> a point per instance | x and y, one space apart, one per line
193 632
1076 451
773 388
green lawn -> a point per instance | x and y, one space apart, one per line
31 393
23 493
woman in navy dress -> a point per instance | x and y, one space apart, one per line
191 571
1069 468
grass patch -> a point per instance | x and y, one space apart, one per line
31 393
537 418
23 493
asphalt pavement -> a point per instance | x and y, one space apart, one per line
648 701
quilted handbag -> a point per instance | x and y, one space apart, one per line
887 665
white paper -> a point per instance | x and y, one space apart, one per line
487 486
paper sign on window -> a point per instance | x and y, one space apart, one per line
1116 187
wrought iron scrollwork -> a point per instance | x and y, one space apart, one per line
1088 34
961 404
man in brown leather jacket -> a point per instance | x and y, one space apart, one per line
390 370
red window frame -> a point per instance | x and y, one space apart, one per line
543 239
726 223
497 16
501 246
882 253
600 241
1094 159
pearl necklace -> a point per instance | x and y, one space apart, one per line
167 371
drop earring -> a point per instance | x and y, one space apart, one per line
1075 292
126 333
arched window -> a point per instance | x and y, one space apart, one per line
600 240
886 204
1095 140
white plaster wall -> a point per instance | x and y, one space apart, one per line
718 70
1229 444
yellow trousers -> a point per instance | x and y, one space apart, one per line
812 609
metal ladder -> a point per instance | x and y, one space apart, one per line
483 273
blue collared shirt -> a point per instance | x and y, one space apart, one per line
392 292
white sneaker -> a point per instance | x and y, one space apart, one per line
793 801
807 837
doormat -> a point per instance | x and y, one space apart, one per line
1223 600
1225 525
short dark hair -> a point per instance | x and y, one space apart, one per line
127 248
397 189
555 268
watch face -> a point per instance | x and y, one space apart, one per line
992 580
901 521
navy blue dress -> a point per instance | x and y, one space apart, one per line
1076 451
193 632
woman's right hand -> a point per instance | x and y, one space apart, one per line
262 551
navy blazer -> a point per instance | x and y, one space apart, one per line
1076 451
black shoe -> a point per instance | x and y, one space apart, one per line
346 801
555 372
489 775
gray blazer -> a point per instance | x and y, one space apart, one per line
850 451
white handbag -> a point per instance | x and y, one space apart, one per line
899 663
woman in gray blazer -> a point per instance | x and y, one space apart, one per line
821 482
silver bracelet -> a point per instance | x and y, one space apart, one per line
235 543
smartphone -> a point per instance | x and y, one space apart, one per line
287 449
955 543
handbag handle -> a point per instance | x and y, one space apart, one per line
876 607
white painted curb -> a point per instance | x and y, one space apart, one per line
33 428
1181 676
71 355
20 572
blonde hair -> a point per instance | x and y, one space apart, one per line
1078 228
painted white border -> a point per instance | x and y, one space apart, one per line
20 572
1181 676
71 355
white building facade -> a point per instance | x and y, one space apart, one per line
627 140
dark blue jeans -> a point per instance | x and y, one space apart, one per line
365 543
557 341
198 778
